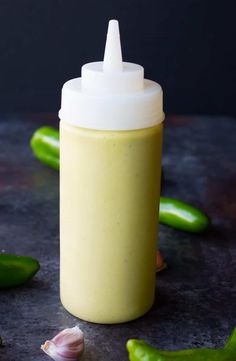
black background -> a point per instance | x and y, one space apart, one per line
187 46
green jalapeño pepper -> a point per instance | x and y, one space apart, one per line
141 351
16 270
182 216
174 213
45 145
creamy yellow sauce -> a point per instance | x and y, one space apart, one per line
109 201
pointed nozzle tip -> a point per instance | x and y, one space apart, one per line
113 55
113 27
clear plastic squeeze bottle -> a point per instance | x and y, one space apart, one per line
110 169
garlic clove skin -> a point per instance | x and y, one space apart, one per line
70 336
160 263
67 345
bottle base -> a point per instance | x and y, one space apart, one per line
106 320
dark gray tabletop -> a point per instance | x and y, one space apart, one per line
196 296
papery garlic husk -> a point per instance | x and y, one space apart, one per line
160 263
67 345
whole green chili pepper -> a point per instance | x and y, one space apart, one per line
16 270
182 216
174 213
45 145
140 351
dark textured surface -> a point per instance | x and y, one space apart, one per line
196 295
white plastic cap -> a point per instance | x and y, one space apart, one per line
112 95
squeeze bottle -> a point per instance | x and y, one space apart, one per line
111 122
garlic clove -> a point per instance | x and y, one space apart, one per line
160 263
69 336
67 345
